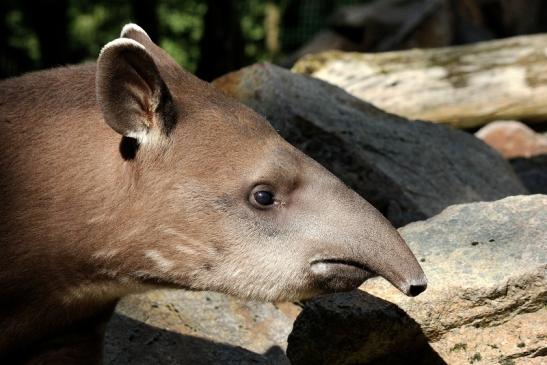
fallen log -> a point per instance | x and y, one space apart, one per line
464 86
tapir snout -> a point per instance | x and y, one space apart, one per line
349 240
382 250
376 249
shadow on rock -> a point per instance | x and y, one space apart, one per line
357 328
129 341
532 171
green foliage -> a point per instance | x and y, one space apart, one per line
22 38
93 23
252 25
181 28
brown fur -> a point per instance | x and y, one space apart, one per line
82 226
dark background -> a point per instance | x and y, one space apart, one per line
212 37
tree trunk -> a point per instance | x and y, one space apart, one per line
146 16
465 86
49 19
221 46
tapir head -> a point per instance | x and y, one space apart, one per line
217 200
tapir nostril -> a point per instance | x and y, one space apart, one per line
415 289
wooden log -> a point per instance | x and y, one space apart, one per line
464 86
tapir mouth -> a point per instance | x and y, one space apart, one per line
344 262
340 274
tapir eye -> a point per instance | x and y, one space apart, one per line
262 197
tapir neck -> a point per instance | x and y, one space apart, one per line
69 162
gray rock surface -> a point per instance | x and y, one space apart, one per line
486 299
408 170
179 327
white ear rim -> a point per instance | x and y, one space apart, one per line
132 27
142 137
121 42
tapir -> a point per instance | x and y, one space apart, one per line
131 174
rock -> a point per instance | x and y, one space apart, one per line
356 328
486 266
408 170
465 86
513 139
381 25
532 172
178 327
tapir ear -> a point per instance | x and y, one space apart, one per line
133 31
134 99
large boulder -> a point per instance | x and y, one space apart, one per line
408 170
486 266
198 328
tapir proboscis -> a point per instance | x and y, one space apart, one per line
130 174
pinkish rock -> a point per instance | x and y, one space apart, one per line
513 139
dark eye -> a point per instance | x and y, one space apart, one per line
264 198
